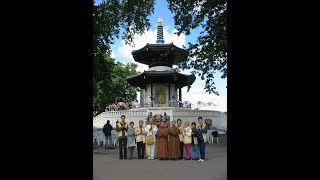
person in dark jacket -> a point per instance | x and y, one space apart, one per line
107 128
194 141
201 131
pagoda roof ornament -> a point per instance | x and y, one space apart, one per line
160 39
159 21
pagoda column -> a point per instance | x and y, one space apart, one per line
151 94
180 96
169 95
142 94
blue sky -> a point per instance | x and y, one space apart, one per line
122 53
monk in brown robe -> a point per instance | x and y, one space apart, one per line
162 141
174 142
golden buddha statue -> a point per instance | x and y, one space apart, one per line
161 96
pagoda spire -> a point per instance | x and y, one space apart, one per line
160 39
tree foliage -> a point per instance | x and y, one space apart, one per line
114 88
108 18
102 83
121 90
209 53
112 15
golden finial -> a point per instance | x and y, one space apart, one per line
159 21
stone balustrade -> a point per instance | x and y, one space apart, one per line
185 114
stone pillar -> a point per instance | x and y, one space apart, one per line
151 94
142 94
169 95
171 114
180 96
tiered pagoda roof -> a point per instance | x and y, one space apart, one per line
148 77
158 56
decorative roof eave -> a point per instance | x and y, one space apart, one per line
151 73
145 48
146 54
146 77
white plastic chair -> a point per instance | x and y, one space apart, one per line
101 138
210 137
215 134
221 130
114 139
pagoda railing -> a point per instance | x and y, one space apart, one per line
218 118
185 114
113 116
171 104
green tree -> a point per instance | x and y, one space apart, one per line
120 89
102 84
114 87
112 15
209 53
108 18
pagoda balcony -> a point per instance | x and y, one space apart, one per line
170 104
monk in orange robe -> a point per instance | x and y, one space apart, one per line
162 141
174 142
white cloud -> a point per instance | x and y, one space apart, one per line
197 93
113 55
166 27
124 51
142 67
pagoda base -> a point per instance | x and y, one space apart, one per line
185 114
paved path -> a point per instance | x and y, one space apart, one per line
107 166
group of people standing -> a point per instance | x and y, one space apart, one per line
162 142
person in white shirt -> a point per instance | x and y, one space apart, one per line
151 130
